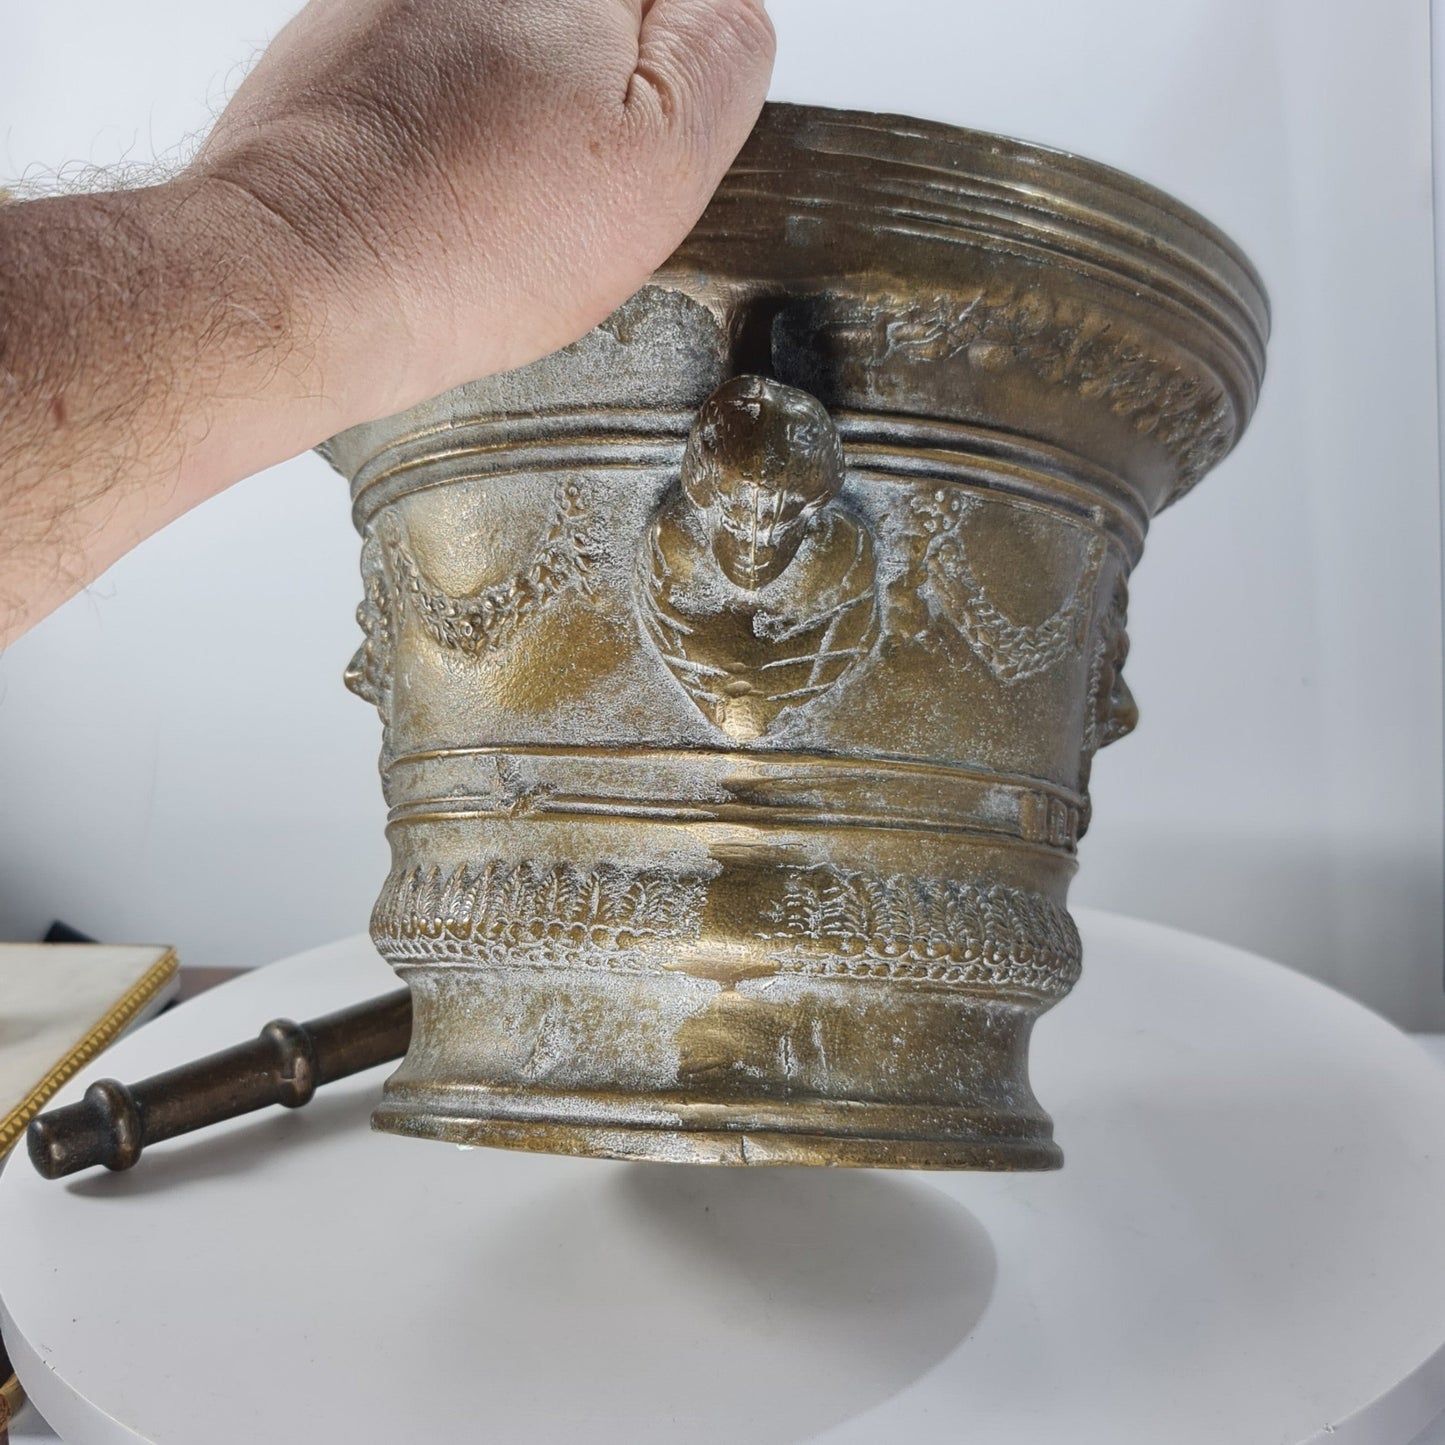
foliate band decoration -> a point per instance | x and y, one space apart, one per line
1012 651
836 921
1067 344
529 912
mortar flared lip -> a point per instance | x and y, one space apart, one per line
1029 177
904 205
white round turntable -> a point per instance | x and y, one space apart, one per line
1246 1244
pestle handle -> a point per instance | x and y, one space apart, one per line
285 1064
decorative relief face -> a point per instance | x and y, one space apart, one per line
368 674
761 461
755 582
1112 711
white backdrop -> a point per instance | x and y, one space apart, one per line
179 762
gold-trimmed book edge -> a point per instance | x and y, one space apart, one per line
115 1021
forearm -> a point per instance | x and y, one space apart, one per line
402 196
155 345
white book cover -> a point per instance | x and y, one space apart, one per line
60 1005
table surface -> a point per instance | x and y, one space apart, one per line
1244 1245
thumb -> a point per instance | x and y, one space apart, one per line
702 73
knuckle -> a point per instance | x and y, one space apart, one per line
751 26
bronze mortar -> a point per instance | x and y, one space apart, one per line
741 665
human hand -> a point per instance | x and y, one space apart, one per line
471 185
